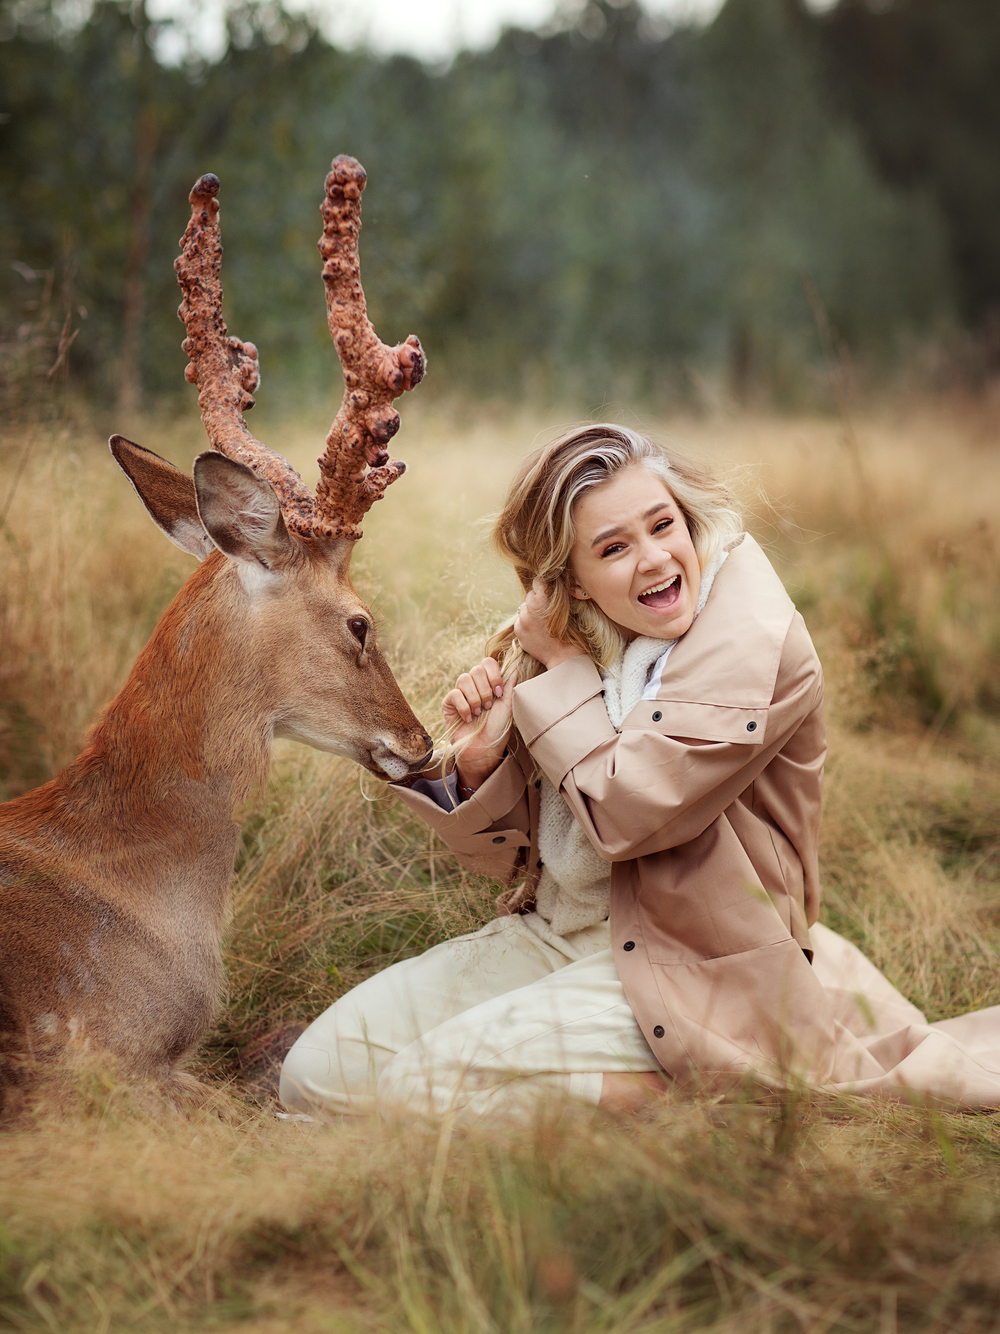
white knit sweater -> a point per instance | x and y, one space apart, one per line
575 883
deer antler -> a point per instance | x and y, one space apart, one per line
355 468
225 369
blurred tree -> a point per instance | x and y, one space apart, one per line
620 275
601 209
800 207
89 121
922 80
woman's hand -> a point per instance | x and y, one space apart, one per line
480 690
532 633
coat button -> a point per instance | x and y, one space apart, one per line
629 945
657 716
751 727
500 838
658 1031
539 864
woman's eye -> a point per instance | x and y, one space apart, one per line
662 525
613 549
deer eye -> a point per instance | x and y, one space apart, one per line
359 629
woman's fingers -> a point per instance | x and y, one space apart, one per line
529 623
474 691
532 631
537 597
530 618
495 677
484 684
455 706
469 687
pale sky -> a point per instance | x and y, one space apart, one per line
430 29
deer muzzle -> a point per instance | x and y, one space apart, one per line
395 757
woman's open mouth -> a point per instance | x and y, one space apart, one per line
661 597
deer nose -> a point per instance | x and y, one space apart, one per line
422 739
406 753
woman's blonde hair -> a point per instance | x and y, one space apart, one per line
535 532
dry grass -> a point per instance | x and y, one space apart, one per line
813 1216
802 1214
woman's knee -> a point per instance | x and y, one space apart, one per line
304 1072
419 1079
345 1052
334 1063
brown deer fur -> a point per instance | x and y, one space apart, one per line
114 875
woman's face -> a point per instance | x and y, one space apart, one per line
634 556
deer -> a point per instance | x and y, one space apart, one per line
114 876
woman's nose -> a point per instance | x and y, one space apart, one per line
652 555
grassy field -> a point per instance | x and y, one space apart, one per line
800 1213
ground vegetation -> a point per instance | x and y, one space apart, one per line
753 1214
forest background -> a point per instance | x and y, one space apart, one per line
772 239
606 206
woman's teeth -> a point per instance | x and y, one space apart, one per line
662 595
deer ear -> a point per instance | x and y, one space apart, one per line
167 493
240 511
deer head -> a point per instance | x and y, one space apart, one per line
284 551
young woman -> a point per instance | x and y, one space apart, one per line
640 758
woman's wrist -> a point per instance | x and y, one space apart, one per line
469 777
563 654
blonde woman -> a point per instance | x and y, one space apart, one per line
639 757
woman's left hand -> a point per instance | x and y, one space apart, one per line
532 632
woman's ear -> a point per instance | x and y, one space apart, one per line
576 590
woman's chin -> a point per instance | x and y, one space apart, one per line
669 623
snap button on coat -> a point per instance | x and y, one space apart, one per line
658 1031
629 945
751 727
657 716
500 839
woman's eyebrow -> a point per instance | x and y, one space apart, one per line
611 532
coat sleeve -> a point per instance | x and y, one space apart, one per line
489 832
643 790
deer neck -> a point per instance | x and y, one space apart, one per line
196 708
151 798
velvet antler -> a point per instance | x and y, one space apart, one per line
225 369
355 468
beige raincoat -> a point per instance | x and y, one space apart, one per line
707 805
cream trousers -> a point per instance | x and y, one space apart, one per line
482 1024
490 1021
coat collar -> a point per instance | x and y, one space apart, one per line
730 656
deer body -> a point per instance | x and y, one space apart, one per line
114 876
